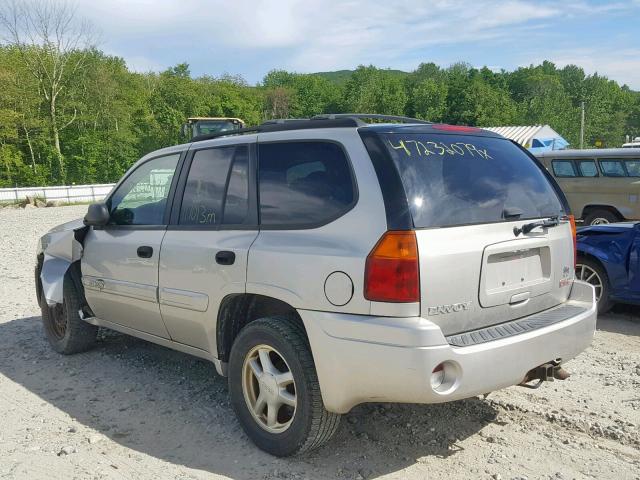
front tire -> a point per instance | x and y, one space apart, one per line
66 332
274 388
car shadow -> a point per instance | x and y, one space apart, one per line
623 319
174 407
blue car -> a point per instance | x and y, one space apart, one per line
609 259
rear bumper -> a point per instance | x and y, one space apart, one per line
381 359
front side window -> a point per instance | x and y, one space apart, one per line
303 183
587 168
612 168
563 168
141 199
216 174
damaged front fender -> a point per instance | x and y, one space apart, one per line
60 247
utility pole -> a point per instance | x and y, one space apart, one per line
582 127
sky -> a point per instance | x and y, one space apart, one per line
250 38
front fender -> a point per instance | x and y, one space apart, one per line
605 256
612 257
60 248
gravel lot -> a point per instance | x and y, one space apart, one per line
130 409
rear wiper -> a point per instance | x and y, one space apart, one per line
527 227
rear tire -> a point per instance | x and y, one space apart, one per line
296 428
66 332
591 271
600 217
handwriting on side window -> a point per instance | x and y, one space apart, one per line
201 214
425 149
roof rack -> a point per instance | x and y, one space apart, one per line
333 120
370 116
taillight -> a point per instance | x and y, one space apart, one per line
392 273
572 221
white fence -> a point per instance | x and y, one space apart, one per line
71 193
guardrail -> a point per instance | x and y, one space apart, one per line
68 193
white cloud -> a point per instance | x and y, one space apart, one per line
314 35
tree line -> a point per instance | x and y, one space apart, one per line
72 114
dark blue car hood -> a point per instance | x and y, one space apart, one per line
609 228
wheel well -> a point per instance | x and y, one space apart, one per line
73 273
590 208
40 261
593 258
238 310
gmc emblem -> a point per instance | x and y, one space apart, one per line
453 308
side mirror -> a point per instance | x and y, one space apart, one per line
184 130
97 215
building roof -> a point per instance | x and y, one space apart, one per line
524 134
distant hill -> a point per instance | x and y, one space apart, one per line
341 77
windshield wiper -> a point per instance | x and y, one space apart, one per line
527 227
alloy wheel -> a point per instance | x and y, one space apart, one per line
589 275
269 388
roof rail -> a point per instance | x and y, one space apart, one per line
239 131
371 116
280 121
333 120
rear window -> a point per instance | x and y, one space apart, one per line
459 180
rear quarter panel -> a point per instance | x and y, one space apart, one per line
292 265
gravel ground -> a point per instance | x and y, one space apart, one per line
130 409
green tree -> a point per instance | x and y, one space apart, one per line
486 106
54 63
429 100
307 95
370 90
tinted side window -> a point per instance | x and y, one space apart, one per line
563 168
142 197
236 207
633 167
587 168
204 191
612 168
303 183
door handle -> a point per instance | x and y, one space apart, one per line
145 251
225 257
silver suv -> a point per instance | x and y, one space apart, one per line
324 263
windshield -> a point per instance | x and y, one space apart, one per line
459 180
214 126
